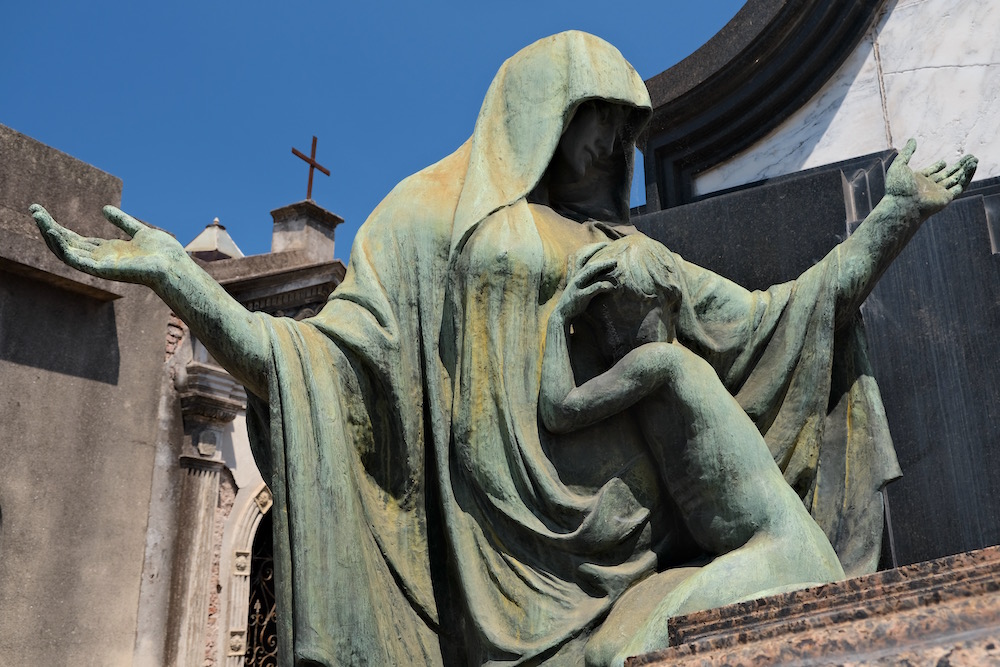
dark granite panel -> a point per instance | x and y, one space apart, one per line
932 323
770 232
757 237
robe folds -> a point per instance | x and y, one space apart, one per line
422 513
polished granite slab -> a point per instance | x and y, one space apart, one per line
940 612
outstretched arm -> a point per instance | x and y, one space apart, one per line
232 334
910 198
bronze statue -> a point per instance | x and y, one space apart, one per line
493 446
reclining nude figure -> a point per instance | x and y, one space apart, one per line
443 497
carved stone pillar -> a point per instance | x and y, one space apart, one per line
210 398
306 227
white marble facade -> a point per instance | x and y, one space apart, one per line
928 69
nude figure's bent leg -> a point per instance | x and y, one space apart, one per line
764 565
733 499
630 612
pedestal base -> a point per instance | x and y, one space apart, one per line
940 612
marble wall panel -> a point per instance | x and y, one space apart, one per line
957 113
918 34
941 72
939 66
843 120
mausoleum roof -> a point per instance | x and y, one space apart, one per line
214 243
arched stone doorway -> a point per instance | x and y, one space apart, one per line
250 581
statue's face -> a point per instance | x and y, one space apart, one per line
590 136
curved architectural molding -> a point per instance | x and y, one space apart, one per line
252 503
759 69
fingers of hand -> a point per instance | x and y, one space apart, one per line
576 299
55 242
122 220
958 176
933 169
591 271
60 240
42 218
52 229
969 164
71 248
586 253
89 244
599 287
908 150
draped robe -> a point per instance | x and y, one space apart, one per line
422 513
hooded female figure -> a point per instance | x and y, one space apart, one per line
423 515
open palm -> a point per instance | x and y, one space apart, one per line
144 259
930 189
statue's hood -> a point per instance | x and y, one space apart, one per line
527 107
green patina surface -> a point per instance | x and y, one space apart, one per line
462 477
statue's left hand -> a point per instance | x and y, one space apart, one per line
928 190
145 259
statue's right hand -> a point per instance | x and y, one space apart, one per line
144 259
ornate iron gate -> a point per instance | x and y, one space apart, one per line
262 636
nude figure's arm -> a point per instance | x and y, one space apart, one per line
235 337
911 197
563 405
566 407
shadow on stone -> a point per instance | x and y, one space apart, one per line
74 334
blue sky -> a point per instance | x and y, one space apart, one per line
196 106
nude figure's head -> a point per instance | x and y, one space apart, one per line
643 308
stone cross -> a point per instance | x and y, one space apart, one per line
311 160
